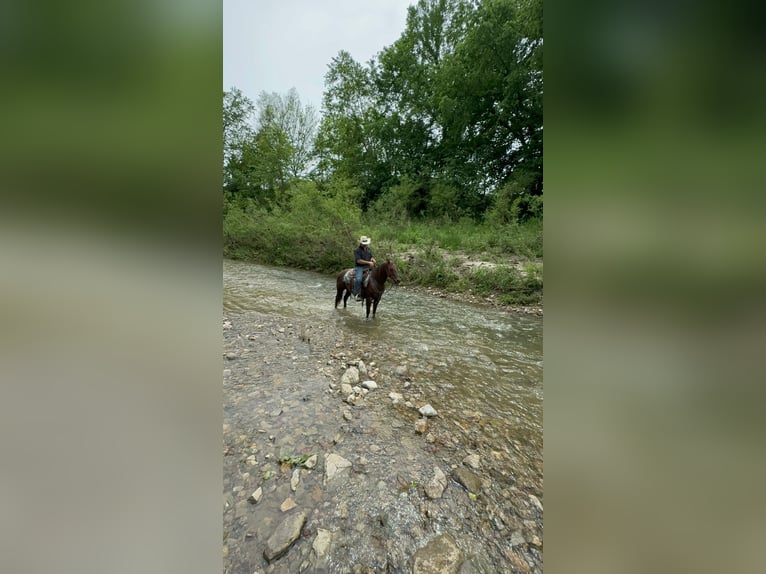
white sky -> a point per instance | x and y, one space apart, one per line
275 45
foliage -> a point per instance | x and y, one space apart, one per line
433 147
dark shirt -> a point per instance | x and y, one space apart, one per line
362 252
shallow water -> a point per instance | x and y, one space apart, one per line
479 367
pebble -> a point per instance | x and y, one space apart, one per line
256 496
473 460
371 385
427 411
288 504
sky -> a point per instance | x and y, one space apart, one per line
275 45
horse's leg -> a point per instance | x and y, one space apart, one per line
338 295
374 307
345 298
368 307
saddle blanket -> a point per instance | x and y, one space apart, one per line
349 277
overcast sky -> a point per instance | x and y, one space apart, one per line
275 45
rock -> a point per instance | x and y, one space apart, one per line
437 484
351 399
477 565
536 502
406 384
334 463
311 461
427 411
473 460
321 545
517 538
400 371
288 504
283 536
276 412
346 389
371 385
256 496
250 460
347 415
362 368
439 556
467 479
231 356
396 397
226 372
351 376
295 479
421 426
357 389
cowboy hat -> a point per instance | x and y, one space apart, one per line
364 240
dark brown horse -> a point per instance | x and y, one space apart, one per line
374 289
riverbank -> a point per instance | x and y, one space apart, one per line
333 464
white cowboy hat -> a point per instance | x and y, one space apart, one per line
364 240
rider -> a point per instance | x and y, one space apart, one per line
363 259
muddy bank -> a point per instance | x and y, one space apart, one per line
323 474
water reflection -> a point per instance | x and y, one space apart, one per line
466 357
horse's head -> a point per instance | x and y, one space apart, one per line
392 271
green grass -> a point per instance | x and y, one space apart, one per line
523 240
319 233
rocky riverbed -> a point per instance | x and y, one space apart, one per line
335 461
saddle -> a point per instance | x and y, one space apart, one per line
349 277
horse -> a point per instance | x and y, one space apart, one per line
374 289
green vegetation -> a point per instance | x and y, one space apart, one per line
433 148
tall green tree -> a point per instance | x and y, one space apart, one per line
297 123
491 96
238 115
348 141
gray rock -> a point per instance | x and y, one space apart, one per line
467 479
357 389
295 479
421 426
351 376
427 411
311 461
282 538
321 545
536 502
347 415
346 389
477 565
256 496
362 368
473 460
437 484
517 538
231 356
351 399
440 556
396 397
371 385
400 371
334 463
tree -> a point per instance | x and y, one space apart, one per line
237 127
492 88
296 122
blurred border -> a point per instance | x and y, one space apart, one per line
654 320
110 290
